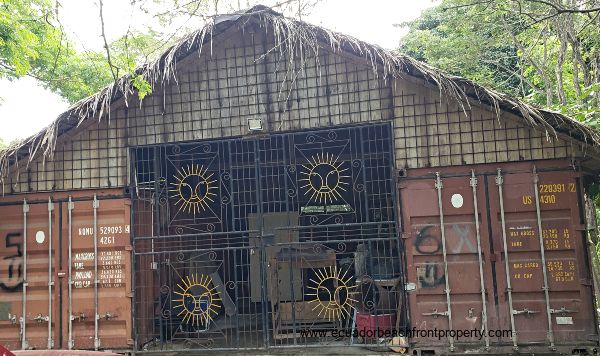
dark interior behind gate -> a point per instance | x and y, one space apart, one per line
269 240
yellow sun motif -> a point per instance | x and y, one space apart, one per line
193 187
324 178
333 293
198 301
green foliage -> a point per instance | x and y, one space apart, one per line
142 86
523 48
79 75
25 35
465 42
32 43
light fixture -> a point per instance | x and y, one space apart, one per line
255 124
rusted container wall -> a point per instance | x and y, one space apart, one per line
444 259
77 304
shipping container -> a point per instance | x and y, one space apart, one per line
329 186
500 248
65 274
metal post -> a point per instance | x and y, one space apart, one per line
50 282
70 207
96 204
499 182
23 320
438 187
543 255
484 321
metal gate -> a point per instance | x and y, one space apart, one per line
285 239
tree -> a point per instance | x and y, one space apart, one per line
545 51
32 41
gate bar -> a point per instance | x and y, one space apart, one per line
23 319
50 282
484 320
438 187
543 255
499 182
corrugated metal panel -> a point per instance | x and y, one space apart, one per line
26 273
445 237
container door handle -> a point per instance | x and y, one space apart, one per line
525 311
562 310
435 313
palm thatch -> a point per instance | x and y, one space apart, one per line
295 40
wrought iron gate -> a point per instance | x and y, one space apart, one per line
286 239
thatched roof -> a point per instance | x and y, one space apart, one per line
295 39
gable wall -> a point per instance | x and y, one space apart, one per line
430 131
214 96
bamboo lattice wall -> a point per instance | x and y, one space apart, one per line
215 95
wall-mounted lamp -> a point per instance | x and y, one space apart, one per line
255 124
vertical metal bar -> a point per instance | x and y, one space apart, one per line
484 321
364 178
23 319
96 204
155 205
499 182
70 207
264 262
543 255
50 282
438 187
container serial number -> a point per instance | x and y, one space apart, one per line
107 240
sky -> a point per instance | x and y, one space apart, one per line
26 107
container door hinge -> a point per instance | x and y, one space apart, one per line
582 227
410 286
128 248
405 235
586 282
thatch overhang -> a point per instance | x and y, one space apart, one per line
295 39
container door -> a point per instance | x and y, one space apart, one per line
109 295
444 259
24 265
561 292
528 238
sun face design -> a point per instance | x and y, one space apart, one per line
193 187
324 178
334 295
198 302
